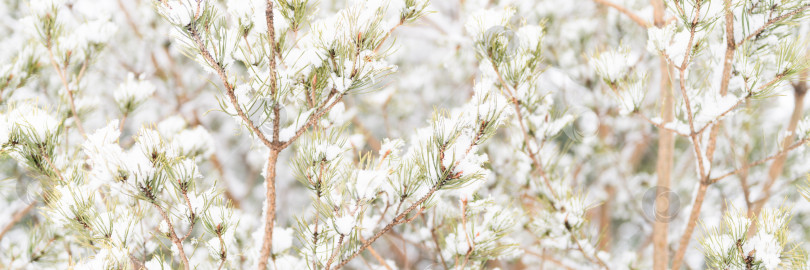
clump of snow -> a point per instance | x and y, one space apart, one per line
133 92
612 65
658 39
765 248
345 224
368 182
282 239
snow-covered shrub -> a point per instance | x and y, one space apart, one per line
412 134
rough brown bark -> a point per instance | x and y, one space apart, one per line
270 208
275 148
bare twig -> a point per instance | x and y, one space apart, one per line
470 243
229 89
593 258
377 256
192 217
69 93
779 160
313 119
394 222
48 161
16 218
526 137
438 248
632 16
388 35
663 124
761 161
335 252
548 258
698 202
130 21
173 236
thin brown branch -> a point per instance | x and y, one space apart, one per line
47 159
632 16
69 93
274 148
773 21
702 171
663 125
122 122
387 35
704 183
779 160
730 48
390 226
548 258
192 217
761 161
692 28
470 243
221 171
173 236
129 19
335 252
438 247
313 119
526 137
377 257
16 218
694 135
690 226
719 117
229 89
723 114
593 258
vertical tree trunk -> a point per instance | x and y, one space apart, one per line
663 165
604 220
270 208
275 149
